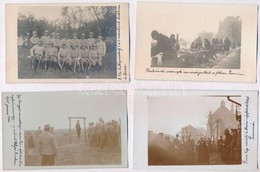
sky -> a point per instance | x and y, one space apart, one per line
54 108
51 13
169 114
188 21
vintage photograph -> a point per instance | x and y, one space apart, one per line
86 129
206 133
64 41
196 42
213 43
195 130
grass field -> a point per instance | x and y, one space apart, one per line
76 153
25 71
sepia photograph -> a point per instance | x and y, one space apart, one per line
55 129
214 43
195 130
70 41
206 133
196 42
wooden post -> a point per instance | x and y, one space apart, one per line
70 129
85 130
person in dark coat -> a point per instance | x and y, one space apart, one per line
78 129
163 43
227 145
227 44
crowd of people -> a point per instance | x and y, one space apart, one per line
162 150
216 46
99 135
77 55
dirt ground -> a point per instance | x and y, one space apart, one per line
25 71
76 153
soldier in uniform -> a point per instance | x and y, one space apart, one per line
91 133
63 56
100 134
90 41
75 40
84 60
34 39
227 146
57 41
227 44
110 134
53 37
74 61
93 55
51 57
101 50
46 38
48 147
66 40
83 40
37 52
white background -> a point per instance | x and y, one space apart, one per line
134 84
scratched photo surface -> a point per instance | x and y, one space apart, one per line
76 42
211 137
78 129
186 41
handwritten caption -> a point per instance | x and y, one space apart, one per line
248 131
121 66
13 113
195 72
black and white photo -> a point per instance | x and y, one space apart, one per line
71 42
196 42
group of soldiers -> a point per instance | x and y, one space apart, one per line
217 45
180 151
77 55
104 134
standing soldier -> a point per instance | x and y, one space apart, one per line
34 39
63 56
90 41
110 134
66 40
91 133
74 61
53 37
100 134
227 146
78 129
101 50
48 147
83 40
51 56
46 38
57 44
75 40
36 53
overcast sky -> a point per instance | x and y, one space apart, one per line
55 108
188 21
169 114
51 13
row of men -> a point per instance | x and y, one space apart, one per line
55 38
69 57
183 152
102 134
215 45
